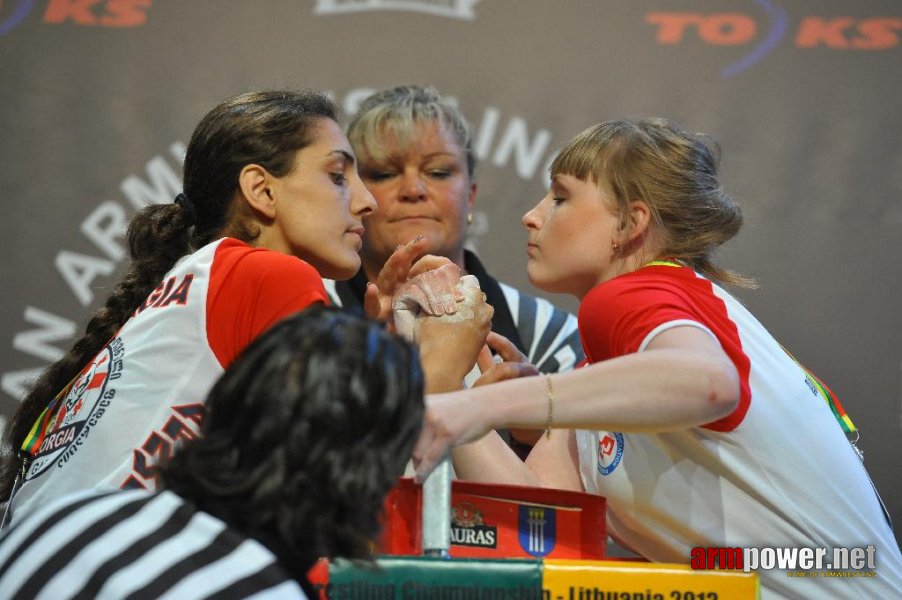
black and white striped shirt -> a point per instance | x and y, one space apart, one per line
133 544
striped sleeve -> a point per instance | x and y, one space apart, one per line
132 544
549 334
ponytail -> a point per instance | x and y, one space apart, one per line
157 237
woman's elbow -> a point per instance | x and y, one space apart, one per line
723 389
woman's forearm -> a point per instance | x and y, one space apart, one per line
491 460
657 390
682 380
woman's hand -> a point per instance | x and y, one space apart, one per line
405 263
454 419
513 363
450 344
433 290
451 419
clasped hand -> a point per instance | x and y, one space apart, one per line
461 416
437 292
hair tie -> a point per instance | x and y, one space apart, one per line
185 203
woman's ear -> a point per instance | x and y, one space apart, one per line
638 220
256 190
471 199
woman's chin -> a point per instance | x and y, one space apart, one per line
340 271
539 279
547 282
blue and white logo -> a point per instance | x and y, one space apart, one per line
537 529
610 451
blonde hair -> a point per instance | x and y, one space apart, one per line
397 112
674 172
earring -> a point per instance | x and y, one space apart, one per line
614 247
469 218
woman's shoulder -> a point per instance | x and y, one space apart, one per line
261 263
268 284
655 279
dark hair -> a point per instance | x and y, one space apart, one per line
674 172
305 434
264 128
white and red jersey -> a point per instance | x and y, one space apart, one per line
144 391
777 472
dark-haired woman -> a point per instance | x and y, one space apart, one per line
305 433
699 429
272 203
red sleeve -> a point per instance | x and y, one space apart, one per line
252 288
617 316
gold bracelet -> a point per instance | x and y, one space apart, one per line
550 393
